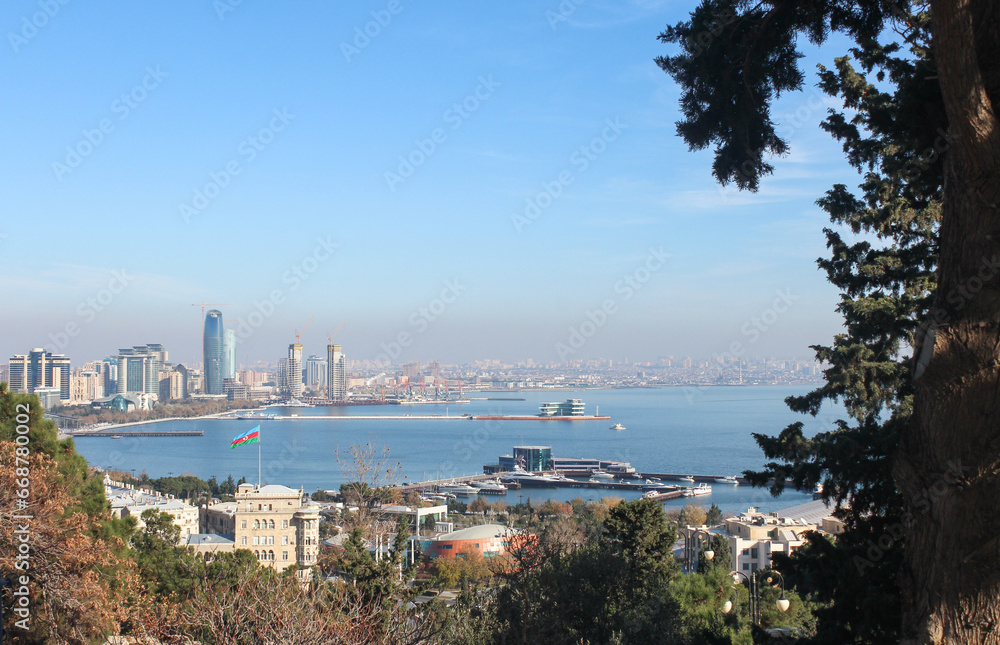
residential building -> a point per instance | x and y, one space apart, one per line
85 386
40 369
316 373
129 501
754 536
172 385
337 376
139 369
293 374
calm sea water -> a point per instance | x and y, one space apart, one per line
703 431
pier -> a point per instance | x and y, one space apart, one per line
139 433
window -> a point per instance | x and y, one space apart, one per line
284 555
746 551
753 553
256 524
256 541
243 541
284 539
256 554
270 539
284 524
746 566
446 546
243 524
271 524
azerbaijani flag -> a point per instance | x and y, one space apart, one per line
250 436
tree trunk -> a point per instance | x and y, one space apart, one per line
948 463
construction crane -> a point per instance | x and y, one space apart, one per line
298 334
208 304
329 339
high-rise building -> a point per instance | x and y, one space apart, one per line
294 370
337 376
228 354
316 369
139 369
40 369
213 352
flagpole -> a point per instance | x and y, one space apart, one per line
258 459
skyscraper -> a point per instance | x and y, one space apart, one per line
213 352
337 378
316 372
139 369
294 374
229 354
40 369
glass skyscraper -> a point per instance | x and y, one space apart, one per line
213 352
229 354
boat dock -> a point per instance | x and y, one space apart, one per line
505 417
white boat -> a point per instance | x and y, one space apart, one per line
617 426
491 488
458 489
730 479
601 475
686 478
695 491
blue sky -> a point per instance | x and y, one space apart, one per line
522 212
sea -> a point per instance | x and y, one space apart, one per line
692 430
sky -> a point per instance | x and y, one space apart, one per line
437 181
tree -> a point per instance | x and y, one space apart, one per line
920 444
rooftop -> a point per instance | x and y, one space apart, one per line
210 538
481 532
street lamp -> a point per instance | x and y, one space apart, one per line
753 583
694 540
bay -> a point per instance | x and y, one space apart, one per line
704 431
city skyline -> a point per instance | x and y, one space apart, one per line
459 195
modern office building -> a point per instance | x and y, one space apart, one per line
316 369
139 369
294 370
571 408
39 369
228 354
213 352
337 378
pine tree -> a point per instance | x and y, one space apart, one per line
917 458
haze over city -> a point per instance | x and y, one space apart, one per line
465 177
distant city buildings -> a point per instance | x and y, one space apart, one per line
40 370
212 350
316 373
337 378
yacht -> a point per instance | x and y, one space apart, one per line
600 475
617 426
730 479
458 489
695 491
686 478
490 488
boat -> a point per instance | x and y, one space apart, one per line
730 479
601 475
490 488
617 426
695 491
686 478
116 436
458 489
